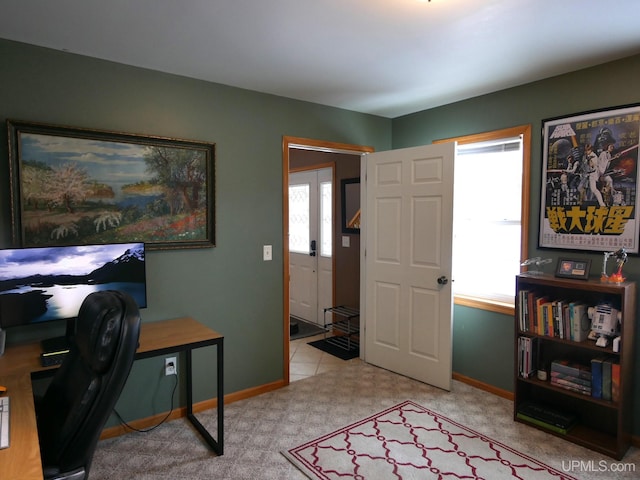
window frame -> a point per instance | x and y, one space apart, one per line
524 131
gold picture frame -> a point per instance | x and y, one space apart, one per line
72 185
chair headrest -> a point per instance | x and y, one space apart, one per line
98 328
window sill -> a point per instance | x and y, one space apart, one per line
485 304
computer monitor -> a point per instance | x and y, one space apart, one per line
45 284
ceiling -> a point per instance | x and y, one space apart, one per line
383 57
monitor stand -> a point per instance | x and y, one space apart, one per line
55 349
55 345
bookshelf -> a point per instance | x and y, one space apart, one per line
585 409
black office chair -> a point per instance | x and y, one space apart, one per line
86 387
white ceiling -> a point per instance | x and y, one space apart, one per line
384 57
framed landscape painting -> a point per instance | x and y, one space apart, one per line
75 186
589 198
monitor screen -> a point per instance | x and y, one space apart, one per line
50 283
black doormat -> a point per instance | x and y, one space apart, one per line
300 329
336 351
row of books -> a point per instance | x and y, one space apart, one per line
546 416
571 376
554 318
600 379
527 356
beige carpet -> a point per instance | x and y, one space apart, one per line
259 428
411 442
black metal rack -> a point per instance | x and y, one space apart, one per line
348 325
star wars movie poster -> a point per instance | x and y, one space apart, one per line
589 181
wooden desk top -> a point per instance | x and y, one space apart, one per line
21 461
153 336
171 333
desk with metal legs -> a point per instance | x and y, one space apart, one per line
21 461
186 335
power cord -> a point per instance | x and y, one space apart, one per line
123 422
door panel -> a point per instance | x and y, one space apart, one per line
311 272
408 215
387 326
302 266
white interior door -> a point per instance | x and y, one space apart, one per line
406 303
310 243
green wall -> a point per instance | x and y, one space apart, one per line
482 341
228 287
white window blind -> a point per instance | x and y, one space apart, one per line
487 219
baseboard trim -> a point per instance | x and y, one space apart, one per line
149 422
142 423
145 423
483 386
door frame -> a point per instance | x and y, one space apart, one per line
289 142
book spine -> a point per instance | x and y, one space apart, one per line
615 382
533 318
540 302
580 381
596 377
568 384
566 322
526 356
606 379
524 310
574 388
548 319
547 415
580 371
555 305
582 325
542 423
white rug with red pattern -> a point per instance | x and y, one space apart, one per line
408 441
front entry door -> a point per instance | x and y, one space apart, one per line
310 243
407 228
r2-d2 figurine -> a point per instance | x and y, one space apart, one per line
605 321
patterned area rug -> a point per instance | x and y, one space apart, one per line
409 441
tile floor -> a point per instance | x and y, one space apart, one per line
306 361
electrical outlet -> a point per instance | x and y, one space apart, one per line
170 366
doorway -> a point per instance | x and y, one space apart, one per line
299 154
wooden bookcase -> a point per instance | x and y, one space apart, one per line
602 425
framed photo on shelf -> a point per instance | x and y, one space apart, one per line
589 196
76 186
569 268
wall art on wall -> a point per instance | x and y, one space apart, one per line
78 186
350 197
589 198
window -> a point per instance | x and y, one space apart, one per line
299 218
311 212
326 214
490 217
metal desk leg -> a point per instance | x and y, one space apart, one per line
216 446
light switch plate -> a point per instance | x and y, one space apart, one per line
267 253
346 241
